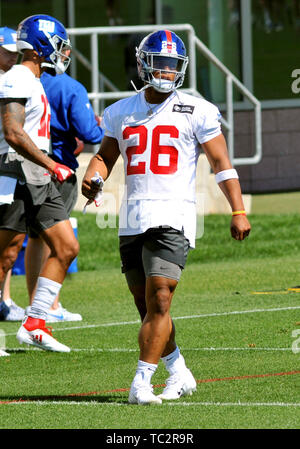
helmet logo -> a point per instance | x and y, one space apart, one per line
168 47
46 25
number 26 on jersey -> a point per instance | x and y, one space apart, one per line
156 150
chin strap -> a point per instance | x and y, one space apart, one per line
48 65
151 85
139 90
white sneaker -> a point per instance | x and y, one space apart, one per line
61 314
3 353
142 394
16 313
179 384
40 336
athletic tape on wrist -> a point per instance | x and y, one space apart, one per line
223 175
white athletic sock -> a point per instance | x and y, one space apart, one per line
174 362
144 372
45 294
8 302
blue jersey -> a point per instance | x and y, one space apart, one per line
71 116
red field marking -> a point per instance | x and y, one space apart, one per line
252 376
122 390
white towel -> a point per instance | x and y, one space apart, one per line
7 189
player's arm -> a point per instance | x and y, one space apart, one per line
217 154
103 163
13 119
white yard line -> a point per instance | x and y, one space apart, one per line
22 349
238 404
186 317
168 404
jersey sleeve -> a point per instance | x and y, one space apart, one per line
83 118
208 125
15 84
107 123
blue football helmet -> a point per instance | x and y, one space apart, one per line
160 52
48 37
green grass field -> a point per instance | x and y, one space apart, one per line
235 322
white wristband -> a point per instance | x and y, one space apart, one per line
231 173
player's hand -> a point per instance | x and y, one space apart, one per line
91 187
61 172
240 227
79 148
98 119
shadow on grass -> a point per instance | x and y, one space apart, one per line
97 398
118 397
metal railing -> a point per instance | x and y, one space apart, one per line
98 80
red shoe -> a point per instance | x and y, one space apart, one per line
34 332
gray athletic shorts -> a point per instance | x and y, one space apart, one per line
35 208
160 251
69 192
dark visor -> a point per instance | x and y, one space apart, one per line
165 62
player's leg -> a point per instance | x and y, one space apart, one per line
155 314
34 260
10 245
154 336
69 194
64 248
50 221
132 265
157 337
136 282
157 325
15 312
12 234
36 254
164 256
6 294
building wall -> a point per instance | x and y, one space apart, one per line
279 169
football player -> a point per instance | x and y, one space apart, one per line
30 200
158 133
9 310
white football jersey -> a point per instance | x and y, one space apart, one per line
20 82
160 146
